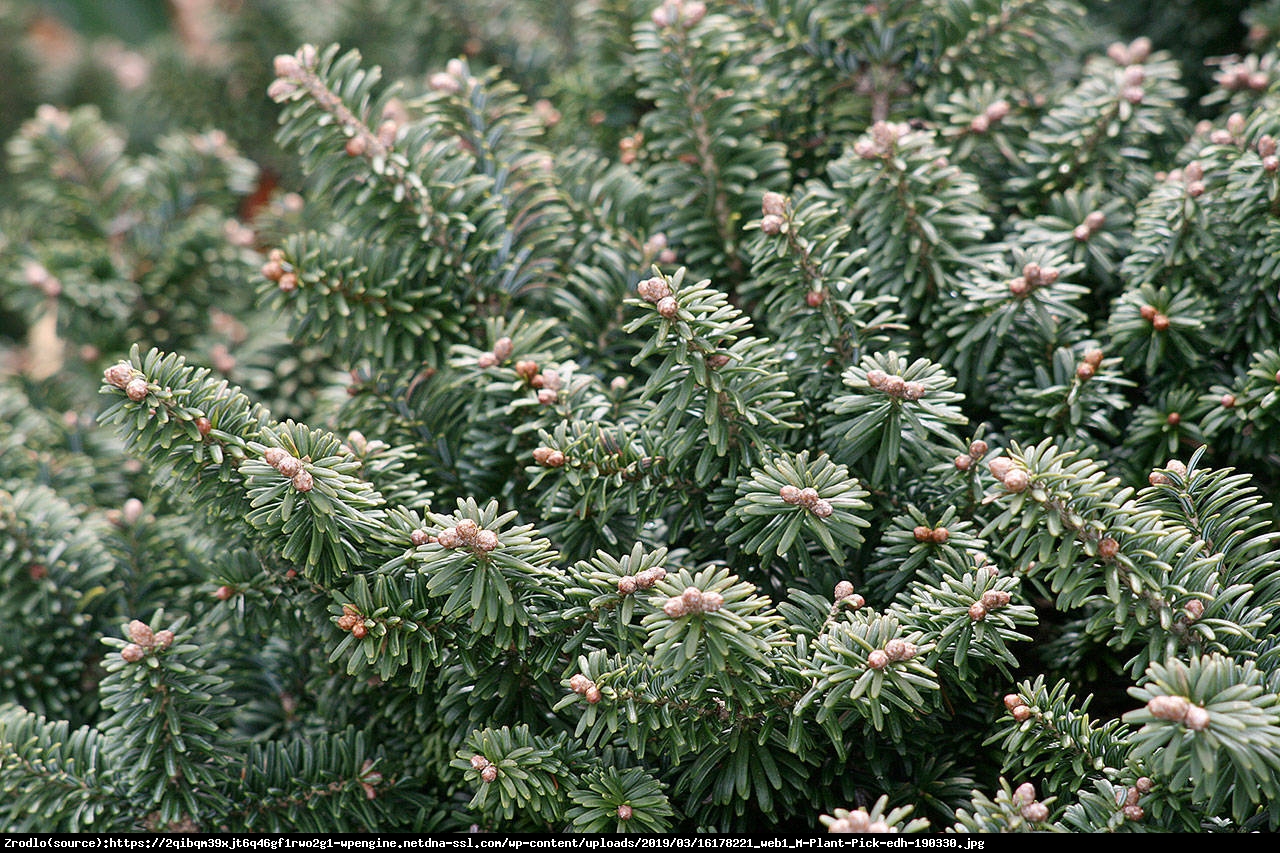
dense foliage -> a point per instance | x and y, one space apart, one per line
648 416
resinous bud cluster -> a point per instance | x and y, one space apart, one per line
683 13
468 534
894 650
124 377
1158 320
992 599
1092 224
1159 478
995 113
1031 810
1133 811
658 292
692 600
280 271
1266 146
1015 478
548 457
352 620
144 640
450 80
1017 708
502 349
1191 176
858 821
546 382
488 771
774 210
290 467
1033 276
1088 366
1242 77
844 594
1193 611
1229 135
1179 709
881 140
977 449
808 498
646 579
1135 52
896 386
292 71
936 535
585 687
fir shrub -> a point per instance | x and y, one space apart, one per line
758 415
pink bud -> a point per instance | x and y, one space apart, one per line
1035 812
281 89
286 65
694 12
118 375
1172 708
442 81
1196 719
1016 480
131 511
140 632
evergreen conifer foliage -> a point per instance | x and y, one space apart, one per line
820 458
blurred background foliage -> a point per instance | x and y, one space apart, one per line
157 66
153 65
